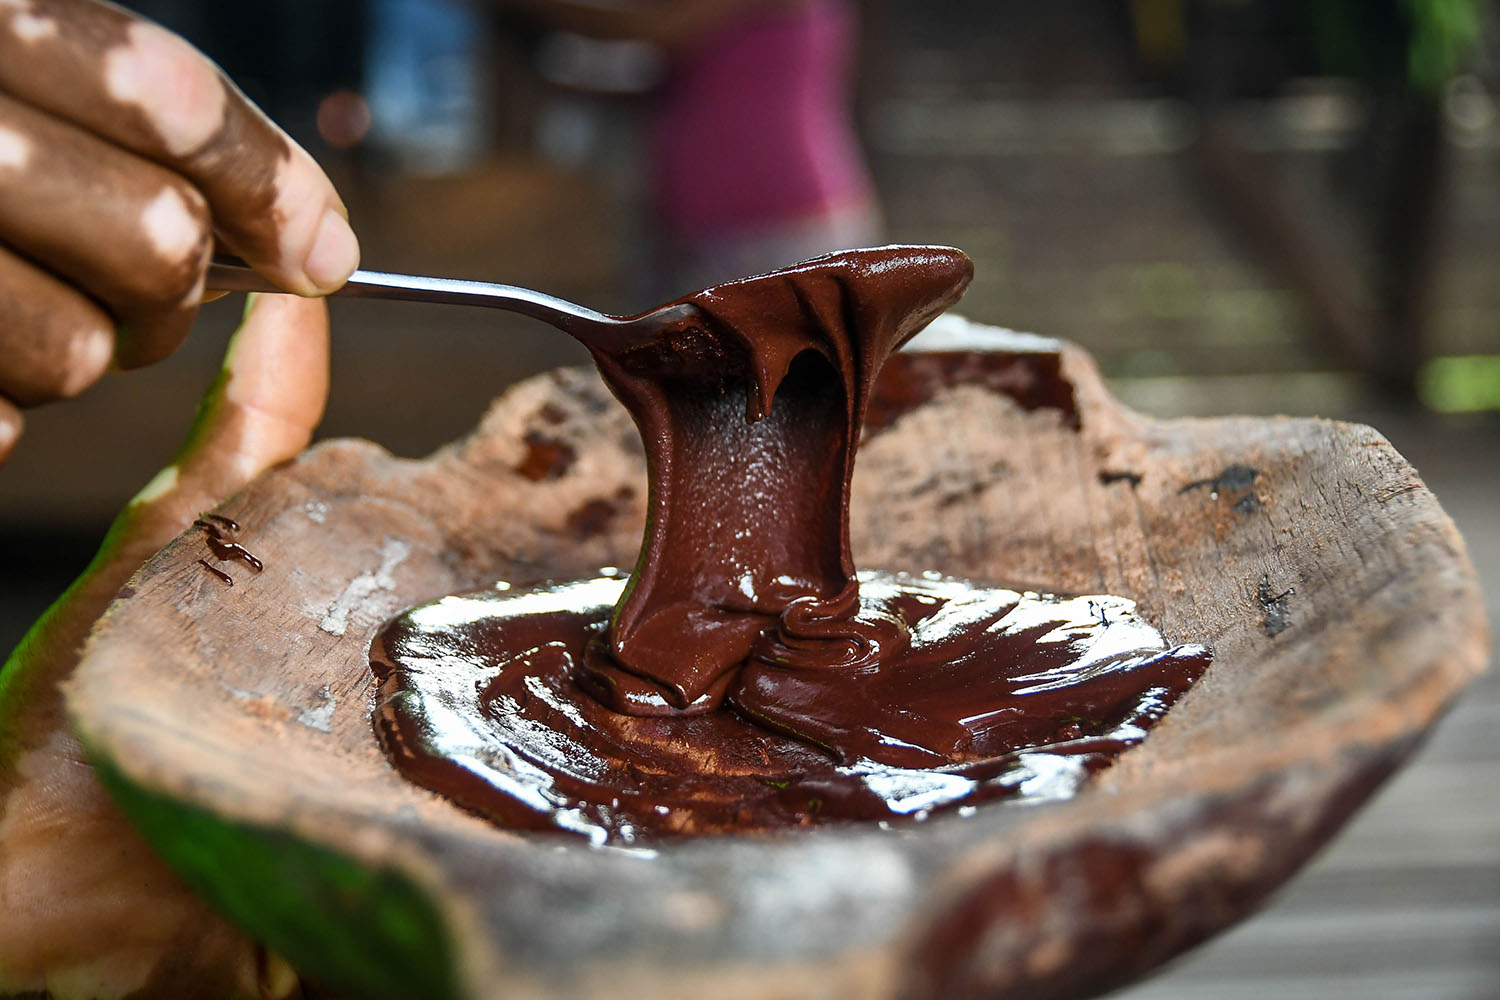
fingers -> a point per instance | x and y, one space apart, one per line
54 342
123 153
145 89
132 234
90 910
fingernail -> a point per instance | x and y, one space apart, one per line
89 358
334 254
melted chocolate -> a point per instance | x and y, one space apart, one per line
223 549
995 695
745 677
216 533
227 523
224 577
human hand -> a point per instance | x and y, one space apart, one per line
124 155
86 909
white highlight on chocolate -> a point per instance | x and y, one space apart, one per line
170 226
15 149
170 83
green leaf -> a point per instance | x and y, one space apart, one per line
358 931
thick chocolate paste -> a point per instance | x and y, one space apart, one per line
744 677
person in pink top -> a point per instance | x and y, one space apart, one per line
754 162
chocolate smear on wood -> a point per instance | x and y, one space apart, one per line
216 529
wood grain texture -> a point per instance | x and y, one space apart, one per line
1338 598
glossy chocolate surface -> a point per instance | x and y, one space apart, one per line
995 695
744 677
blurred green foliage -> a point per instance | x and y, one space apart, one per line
1418 45
1462 384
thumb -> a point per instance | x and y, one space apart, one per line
261 410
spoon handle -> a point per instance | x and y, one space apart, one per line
230 275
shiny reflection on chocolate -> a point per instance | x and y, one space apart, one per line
223 577
998 695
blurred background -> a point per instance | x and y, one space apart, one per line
1250 206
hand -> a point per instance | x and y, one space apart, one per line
86 909
124 154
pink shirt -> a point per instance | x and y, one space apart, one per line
754 128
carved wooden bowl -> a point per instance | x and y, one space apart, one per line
234 723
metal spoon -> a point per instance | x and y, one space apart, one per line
592 328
